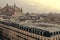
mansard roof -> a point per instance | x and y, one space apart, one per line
30 29
12 7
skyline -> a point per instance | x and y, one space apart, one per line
38 6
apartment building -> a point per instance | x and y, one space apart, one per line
27 31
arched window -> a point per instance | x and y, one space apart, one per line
20 27
30 30
56 33
26 28
41 33
37 31
51 34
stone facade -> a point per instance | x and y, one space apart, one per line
11 10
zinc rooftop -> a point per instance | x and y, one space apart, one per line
44 29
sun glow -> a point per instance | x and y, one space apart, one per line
55 4
51 3
40 5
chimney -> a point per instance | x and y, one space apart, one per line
6 4
21 10
14 5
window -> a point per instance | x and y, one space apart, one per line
32 30
41 33
20 27
56 32
26 28
59 32
37 31
51 34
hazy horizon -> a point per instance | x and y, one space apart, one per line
38 6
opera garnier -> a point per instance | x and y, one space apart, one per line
20 26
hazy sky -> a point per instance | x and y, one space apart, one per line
34 5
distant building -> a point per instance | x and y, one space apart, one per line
11 10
